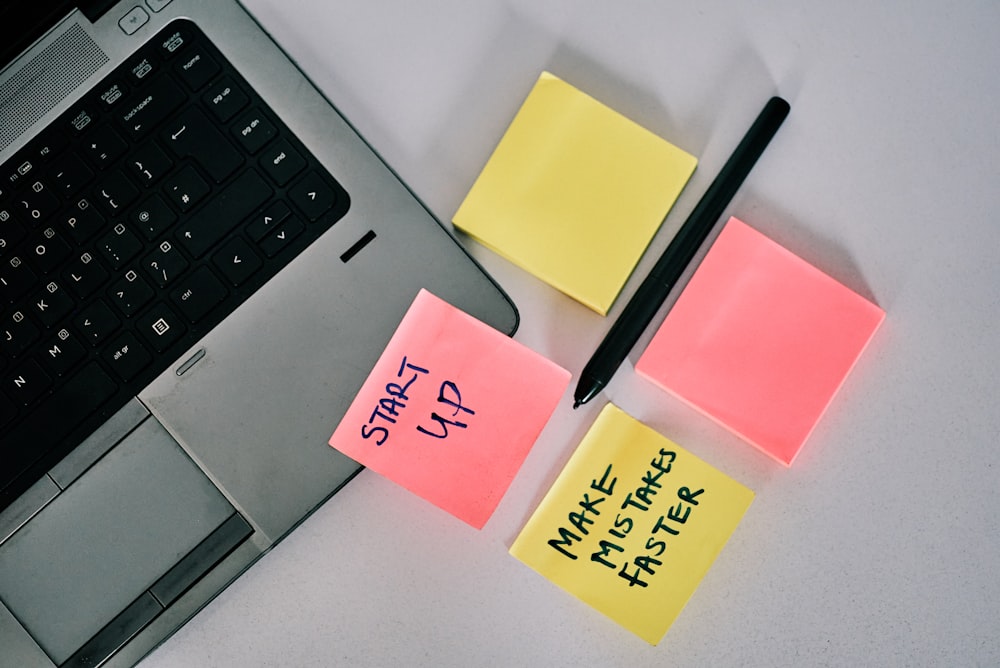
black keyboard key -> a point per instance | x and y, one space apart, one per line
62 352
17 169
11 232
104 146
153 217
54 419
48 250
52 304
148 164
253 131
119 246
160 327
79 120
192 135
130 293
225 100
35 204
26 383
237 261
197 68
143 111
69 173
85 275
126 356
278 239
111 93
140 69
281 162
198 294
8 411
82 221
269 219
185 188
17 332
165 264
49 145
115 192
238 200
96 323
174 40
16 278
312 196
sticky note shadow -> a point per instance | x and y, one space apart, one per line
818 249
569 440
488 99
745 82
630 98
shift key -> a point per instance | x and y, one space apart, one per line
199 232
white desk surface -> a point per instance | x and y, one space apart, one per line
878 547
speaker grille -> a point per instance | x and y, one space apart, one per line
45 80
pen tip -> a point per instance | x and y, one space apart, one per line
576 404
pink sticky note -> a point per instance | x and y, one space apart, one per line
760 341
451 409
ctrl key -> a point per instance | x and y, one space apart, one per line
198 294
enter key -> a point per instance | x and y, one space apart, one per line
192 135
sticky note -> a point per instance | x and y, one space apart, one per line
632 524
451 409
760 341
574 192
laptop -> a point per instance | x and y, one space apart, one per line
200 262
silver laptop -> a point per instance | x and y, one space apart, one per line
200 261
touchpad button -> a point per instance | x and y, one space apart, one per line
95 548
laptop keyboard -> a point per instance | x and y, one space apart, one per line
129 228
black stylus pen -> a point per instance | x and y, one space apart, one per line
640 310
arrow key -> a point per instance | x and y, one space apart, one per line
237 261
267 220
312 196
276 241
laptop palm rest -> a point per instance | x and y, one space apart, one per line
108 554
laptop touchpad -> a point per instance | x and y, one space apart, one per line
106 539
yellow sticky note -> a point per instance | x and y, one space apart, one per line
632 524
574 192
